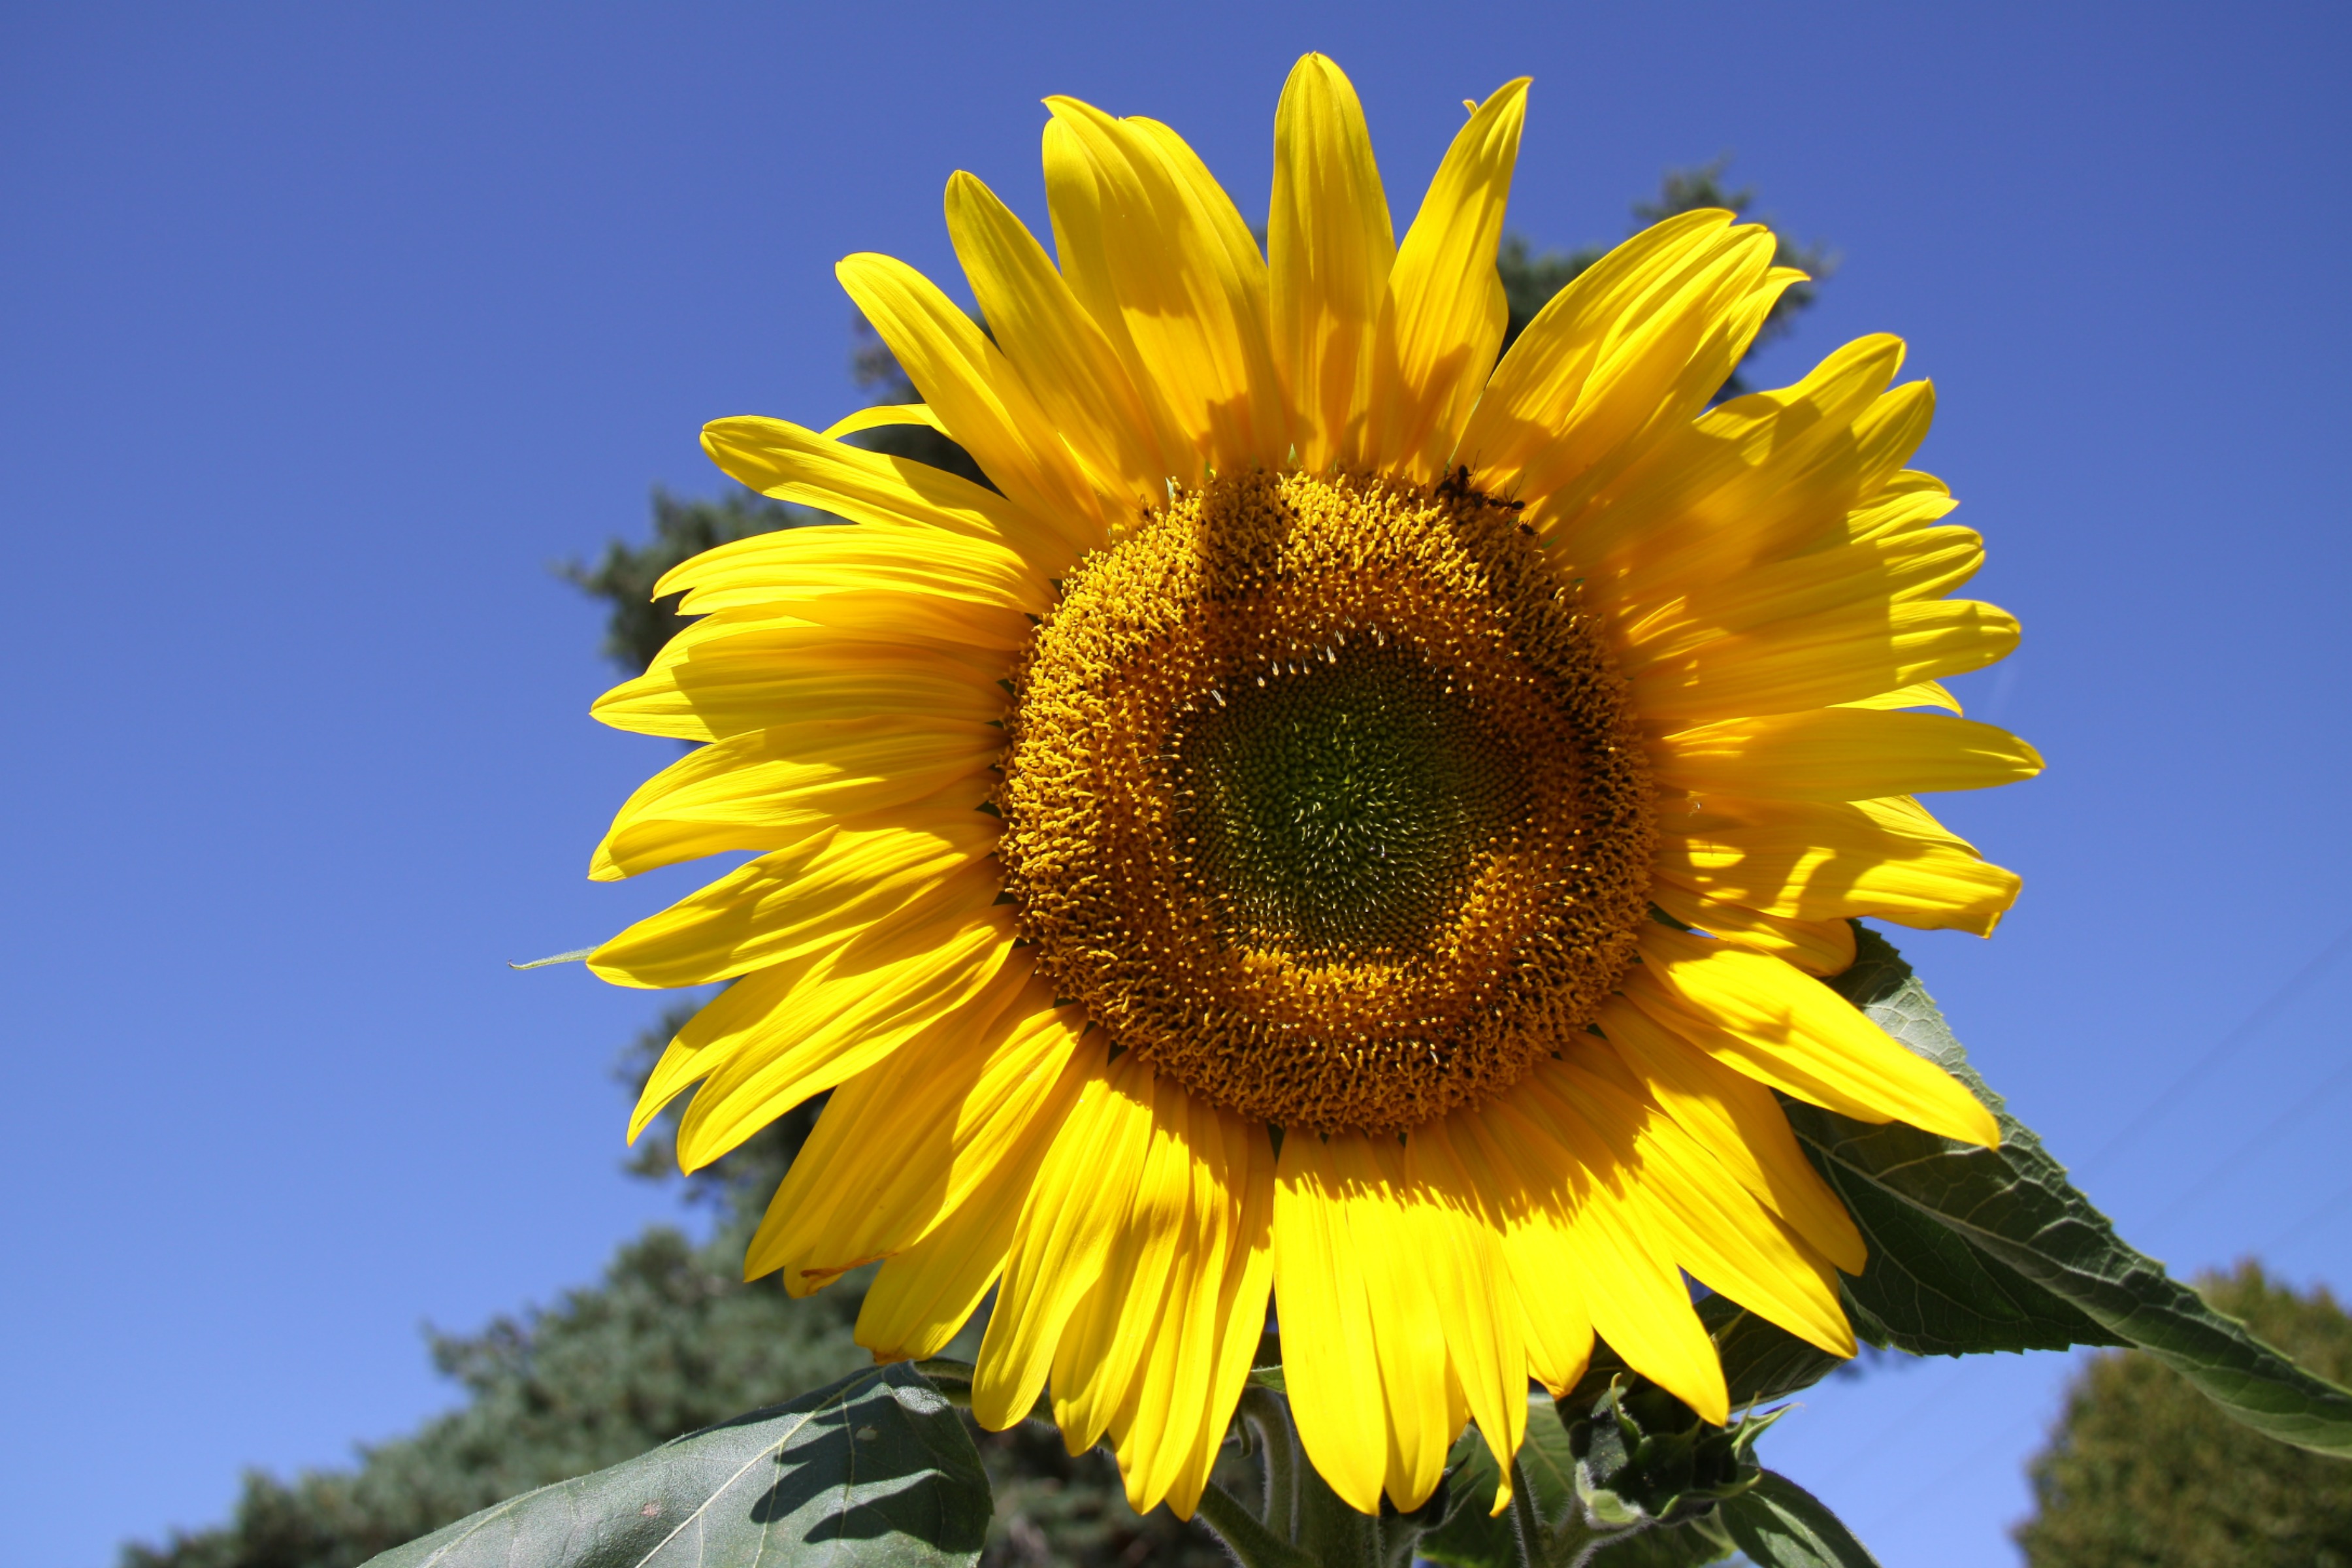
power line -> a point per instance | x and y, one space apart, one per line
2305 1104
2331 1207
2007 1435
1874 1445
2247 1028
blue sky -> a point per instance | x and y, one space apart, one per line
327 328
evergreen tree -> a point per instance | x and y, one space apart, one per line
673 1338
2144 1472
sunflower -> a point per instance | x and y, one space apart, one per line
1337 818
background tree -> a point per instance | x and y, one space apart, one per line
2144 1472
673 1338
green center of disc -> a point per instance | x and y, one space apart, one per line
1343 803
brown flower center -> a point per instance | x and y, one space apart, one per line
1322 796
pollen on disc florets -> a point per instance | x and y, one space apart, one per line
1322 797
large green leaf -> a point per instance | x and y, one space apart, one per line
1779 1524
874 1469
2041 1266
1927 1291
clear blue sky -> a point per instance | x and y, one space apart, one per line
323 329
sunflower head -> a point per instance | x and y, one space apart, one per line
1338 821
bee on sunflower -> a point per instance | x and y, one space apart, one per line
1339 821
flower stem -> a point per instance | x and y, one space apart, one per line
1270 1419
1245 1535
1535 1539
1330 1529
1573 1542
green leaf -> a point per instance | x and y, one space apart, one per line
1927 1291
874 1469
1762 1361
1468 1537
1546 1458
1779 1524
1687 1545
2041 1266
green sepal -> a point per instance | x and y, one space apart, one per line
1470 1536
1643 1457
874 1470
1690 1545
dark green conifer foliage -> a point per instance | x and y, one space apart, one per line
2144 1472
636 624
673 1338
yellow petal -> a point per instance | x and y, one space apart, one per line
1816 660
1158 1352
1533 1218
1784 1028
1741 1123
1155 251
1919 694
795 565
904 1144
1636 342
1890 430
1443 316
1726 1240
1907 501
1738 486
882 416
1840 754
747 670
1102 1349
1060 353
1817 947
791 463
1831 861
922 1297
1461 1210
810 895
771 787
1678 355
1329 244
887 613
833 1026
1618 1249
977 396
1924 564
1084 212
1069 1224
1364 1350
1224 1320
